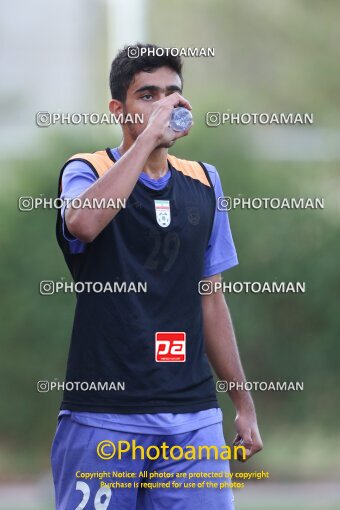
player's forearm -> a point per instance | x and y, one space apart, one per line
85 223
222 350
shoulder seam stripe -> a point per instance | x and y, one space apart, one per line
191 169
99 160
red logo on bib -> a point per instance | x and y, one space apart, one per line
170 346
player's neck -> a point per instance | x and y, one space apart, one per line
156 165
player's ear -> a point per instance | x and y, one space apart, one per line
115 106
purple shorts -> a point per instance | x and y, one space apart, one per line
88 476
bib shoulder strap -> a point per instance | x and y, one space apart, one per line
99 160
191 169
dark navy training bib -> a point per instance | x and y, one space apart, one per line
148 344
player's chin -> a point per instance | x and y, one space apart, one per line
166 145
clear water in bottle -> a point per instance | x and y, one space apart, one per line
181 119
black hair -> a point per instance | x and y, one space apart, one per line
130 61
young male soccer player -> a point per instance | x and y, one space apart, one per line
151 348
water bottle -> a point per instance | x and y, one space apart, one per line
181 119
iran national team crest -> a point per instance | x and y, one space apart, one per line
163 215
